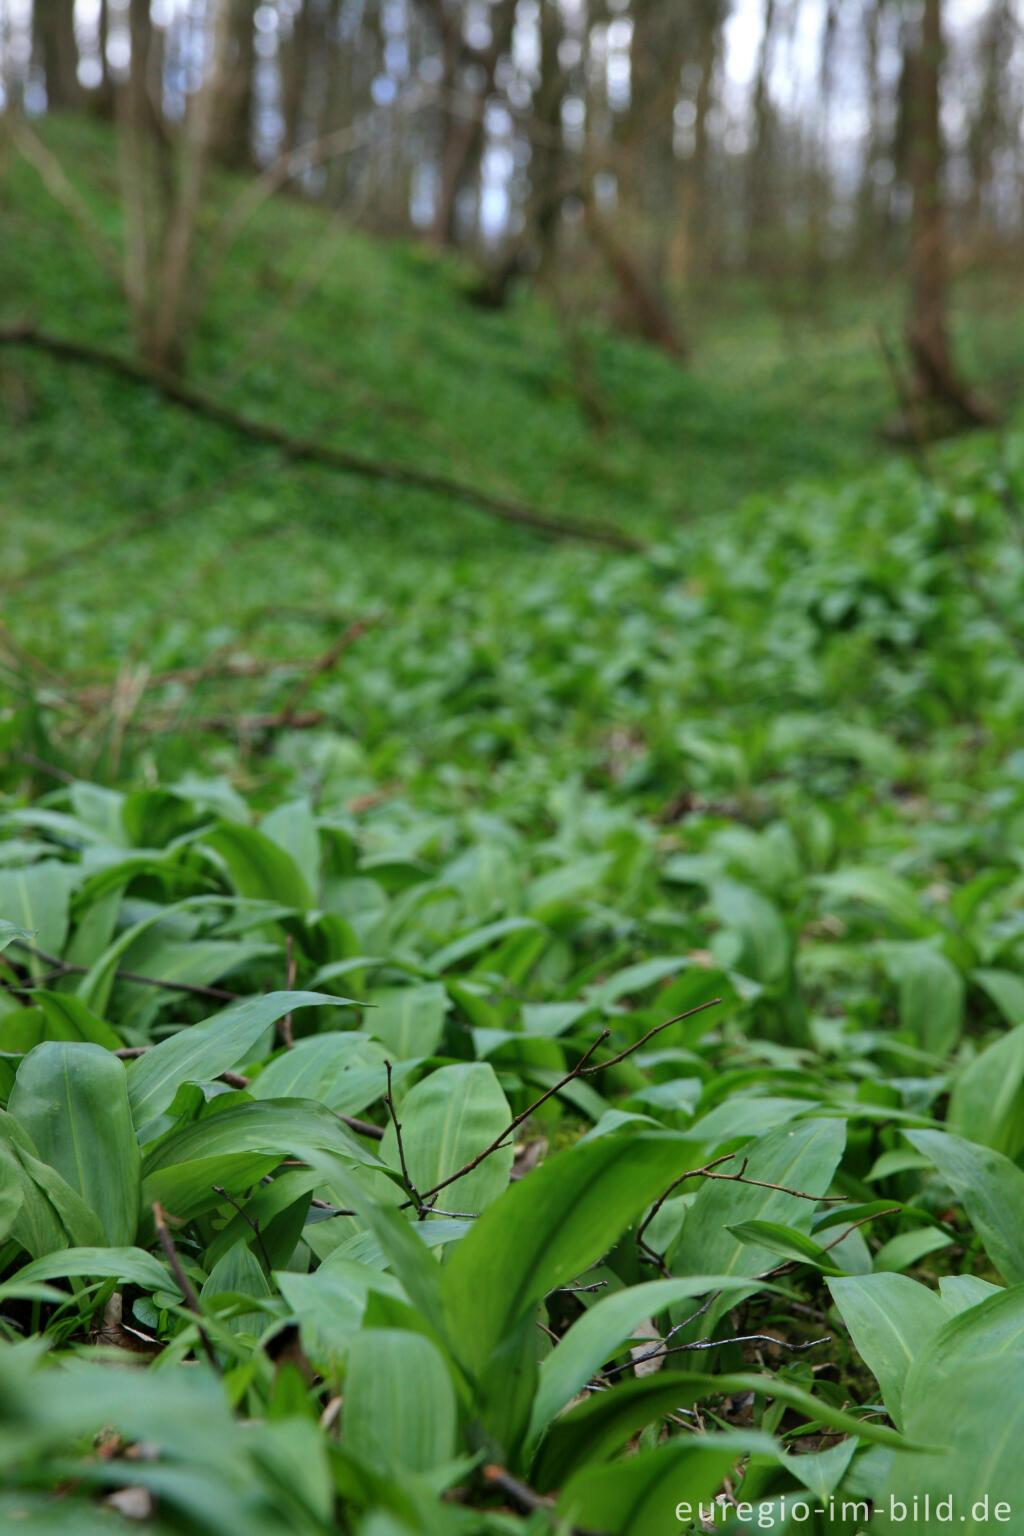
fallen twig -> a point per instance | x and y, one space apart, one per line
65 968
251 1221
579 1070
311 450
707 1171
241 725
187 1289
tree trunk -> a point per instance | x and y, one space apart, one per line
544 209
697 204
136 153
232 126
53 23
104 98
935 378
171 299
294 71
761 165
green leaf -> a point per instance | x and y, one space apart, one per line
881 890
931 992
786 1241
12 1193
192 962
344 1071
641 1495
232 1147
449 1118
130 1266
238 1272
258 867
1006 989
35 898
908 1248
72 1099
63 1011
801 1155
10 933
96 986
52 1214
991 1189
399 1406
601 1332
958 1396
329 1306
203 1051
987 1102
477 940
409 1020
292 826
890 1319
599 1426
409 1259
547 1229
766 944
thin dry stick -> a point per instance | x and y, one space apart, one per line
65 968
288 717
679 1349
526 1499
284 1027
707 1172
712 1003
219 1189
389 1104
854 1225
235 725
327 661
187 1290
579 1070
217 667
499 1141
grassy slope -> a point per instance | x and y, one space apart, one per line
375 348
383 354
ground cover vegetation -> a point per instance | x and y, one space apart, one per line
523 1040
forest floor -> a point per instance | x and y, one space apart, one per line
377 349
508 805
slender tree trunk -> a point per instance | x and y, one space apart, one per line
868 222
643 304
295 72
547 168
761 164
455 133
935 377
104 97
463 134
171 317
232 125
53 25
697 204
135 148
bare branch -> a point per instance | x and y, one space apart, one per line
311 450
187 1289
65 968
